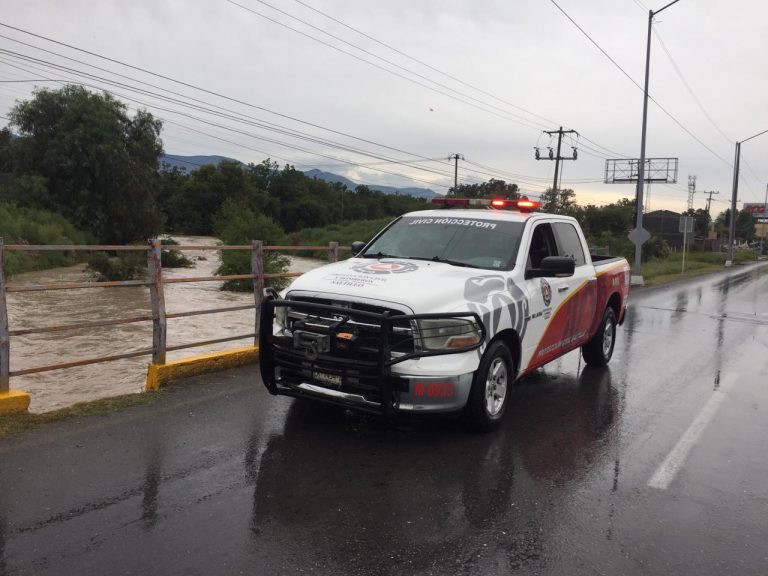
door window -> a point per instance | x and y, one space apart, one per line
542 245
569 243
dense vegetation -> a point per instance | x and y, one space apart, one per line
78 169
34 226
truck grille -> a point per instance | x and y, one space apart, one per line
344 349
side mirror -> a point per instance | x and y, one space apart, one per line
553 266
357 247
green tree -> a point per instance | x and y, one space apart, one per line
192 200
6 160
238 224
100 164
615 219
701 222
491 189
745 226
559 201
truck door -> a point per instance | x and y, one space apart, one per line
544 296
580 290
561 309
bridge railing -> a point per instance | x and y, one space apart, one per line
156 283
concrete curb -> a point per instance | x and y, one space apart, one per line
160 375
14 401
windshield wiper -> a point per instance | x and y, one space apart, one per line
444 261
379 255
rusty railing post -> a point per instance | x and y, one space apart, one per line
257 269
333 251
157 299
5 338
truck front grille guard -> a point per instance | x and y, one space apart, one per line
334 320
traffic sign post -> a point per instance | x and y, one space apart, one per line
686 227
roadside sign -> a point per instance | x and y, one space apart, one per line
753 208
686 224
639 236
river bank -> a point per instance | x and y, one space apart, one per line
61 388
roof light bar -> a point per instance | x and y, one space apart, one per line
522 204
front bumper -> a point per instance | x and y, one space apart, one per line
319 364
424 394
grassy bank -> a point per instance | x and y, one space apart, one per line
344 234
32 226
12 424
662 271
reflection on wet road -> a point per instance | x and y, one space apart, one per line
221 478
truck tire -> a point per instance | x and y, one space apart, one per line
491 387
598 351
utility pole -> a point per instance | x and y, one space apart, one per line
765 220
456 157
639 235
709 200
691 190
734 197
557 158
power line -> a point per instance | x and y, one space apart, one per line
200 89
271 127
688 86
166 99
675 120
280 143
695 98
394 73
355 46
446 74
279 128
292 132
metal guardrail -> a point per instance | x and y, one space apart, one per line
156 283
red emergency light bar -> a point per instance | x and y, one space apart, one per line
522 204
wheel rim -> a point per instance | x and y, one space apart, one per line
496 386
608 334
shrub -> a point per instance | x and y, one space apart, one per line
19 225
173 258
238 224
126 266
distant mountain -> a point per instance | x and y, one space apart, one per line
190 163
409 191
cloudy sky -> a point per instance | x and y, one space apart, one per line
384 92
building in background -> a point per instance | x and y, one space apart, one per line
665 224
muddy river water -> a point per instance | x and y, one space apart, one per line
55 389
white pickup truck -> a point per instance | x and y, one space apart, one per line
442 311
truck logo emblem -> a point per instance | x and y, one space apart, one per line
385 268
311 351
546 292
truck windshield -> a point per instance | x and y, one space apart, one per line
461 241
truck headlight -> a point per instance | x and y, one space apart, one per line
448 333
281 317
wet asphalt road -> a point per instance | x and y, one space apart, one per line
656 465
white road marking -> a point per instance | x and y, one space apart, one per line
674 461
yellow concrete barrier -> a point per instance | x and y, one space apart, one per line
159 375
13 401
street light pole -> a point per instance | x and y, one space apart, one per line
637 277
732 227
765 220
